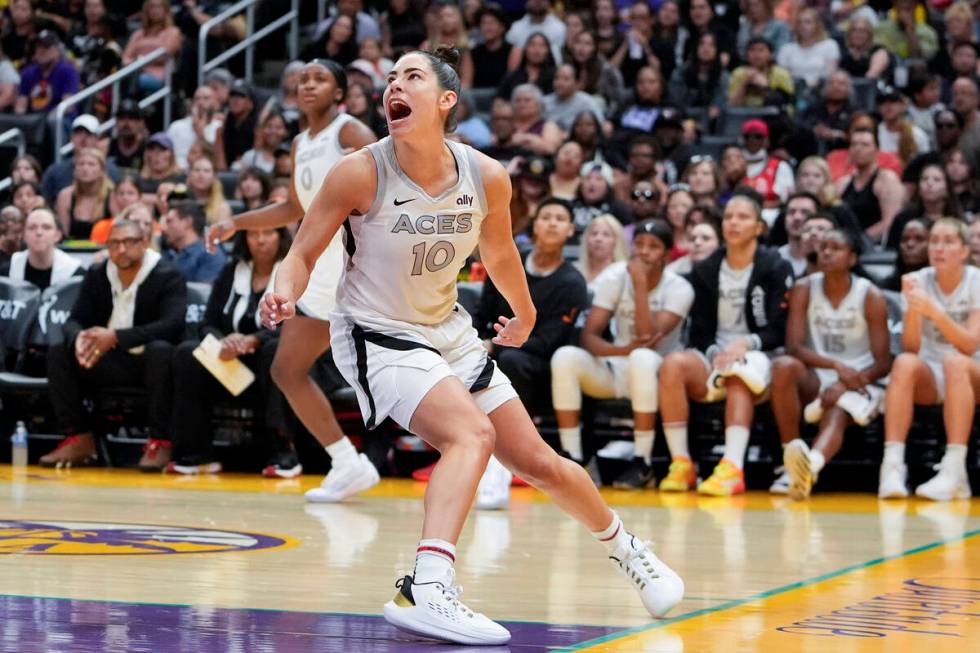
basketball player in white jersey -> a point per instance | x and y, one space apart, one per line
837 340
330 134
412 208
647 306
940 336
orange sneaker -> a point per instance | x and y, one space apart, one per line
73 451
681 477
156 455
726 480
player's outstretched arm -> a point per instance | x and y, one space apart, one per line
348 188
499 255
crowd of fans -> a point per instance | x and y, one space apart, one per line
653 144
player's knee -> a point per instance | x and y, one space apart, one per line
285 373
673 368
904 367
957 366
542 469
644 358
565 361
785 370
483 435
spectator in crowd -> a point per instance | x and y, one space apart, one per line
906 32
127 148
587 132
279 190
285 101
701 19
760 82
49 80
703 238
11 234
532 130
366 25
933 198
913 253
159 166
157 31
607 27
959 28
371 61
538 19
595 196
201 121
470 128
493 57
768 175
896 133
27 197
338 42
502 146
128 316
42 263
84 134
729 338
595 75
362 103
183 231
21 31
974 230
813 176
966 103
536 67
862 55
567 100
703 81
924 104
403 28
237 134
647 306
268 137
565 180
253 188
558 292
965 183
872 192
837 350
840 162
640 116
704 178
758 20
125 194
680 200
811 56
800 206
641 165
191 15
940 332
534 174
733 170
604 244
9 83
87 199
448 28
230 318
25 167
635 52
221 80
205 188
829 118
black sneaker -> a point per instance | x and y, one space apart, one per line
284 464
636 476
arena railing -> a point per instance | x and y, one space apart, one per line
61 148
248 43
15 137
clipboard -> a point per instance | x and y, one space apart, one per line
233 374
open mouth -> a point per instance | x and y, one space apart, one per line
398 110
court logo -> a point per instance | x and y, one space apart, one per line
97 538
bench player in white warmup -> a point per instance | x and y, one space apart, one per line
330 134
412 207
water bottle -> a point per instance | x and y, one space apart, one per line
19 446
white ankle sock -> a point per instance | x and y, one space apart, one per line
736 441
894 453
817 461
676 435
614 537
956 453
571 441
643 445
434 561
341 452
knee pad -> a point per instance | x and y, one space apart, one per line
644 364
566 390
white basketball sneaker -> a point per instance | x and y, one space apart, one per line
659 586
950 483
434 610
892 481
796 459
781 484
493 492
342 482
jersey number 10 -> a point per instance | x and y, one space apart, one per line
436 258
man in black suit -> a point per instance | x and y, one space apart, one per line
122 331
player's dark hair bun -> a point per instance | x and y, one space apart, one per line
449 54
